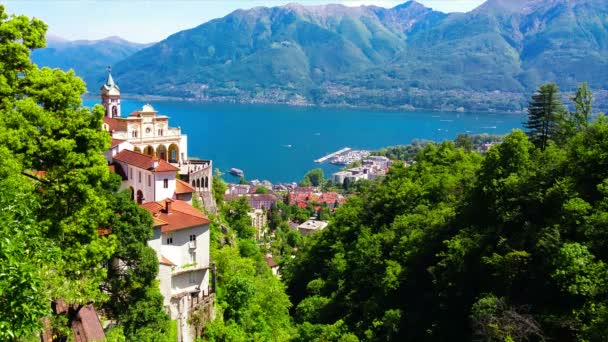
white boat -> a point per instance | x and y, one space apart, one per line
237 172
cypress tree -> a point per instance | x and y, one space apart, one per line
544 113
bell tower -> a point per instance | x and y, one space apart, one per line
110 96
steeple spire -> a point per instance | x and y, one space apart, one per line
110 81
110 96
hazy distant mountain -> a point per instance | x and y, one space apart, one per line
89 58
409 55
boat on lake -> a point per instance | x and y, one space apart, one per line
237 172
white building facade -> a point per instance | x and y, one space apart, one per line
181 242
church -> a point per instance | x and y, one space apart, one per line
148 132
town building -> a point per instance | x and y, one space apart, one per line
274 267
259 221
148 178
371 168
257 201
311 226
181 242
329 198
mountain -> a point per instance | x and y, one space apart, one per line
490 58
89 58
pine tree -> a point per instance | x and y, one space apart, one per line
544 113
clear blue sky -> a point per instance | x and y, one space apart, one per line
153 20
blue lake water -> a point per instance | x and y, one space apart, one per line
280 143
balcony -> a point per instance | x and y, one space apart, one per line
175 270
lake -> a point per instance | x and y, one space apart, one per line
280 143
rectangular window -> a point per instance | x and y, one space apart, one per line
169 239
130 173
149 180
192 277
139 176
166 183
192 237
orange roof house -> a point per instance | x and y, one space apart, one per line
174 215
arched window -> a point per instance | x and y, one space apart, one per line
132 193
114 111
161 152
140 197
193 183
206 182
198 183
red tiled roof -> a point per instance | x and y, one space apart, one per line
182 187
116 142
270 262
180 216
144 161
165 261
39 174
158 222
111 122
329 198
135 113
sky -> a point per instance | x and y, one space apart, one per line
154 20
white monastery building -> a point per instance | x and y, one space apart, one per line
149 155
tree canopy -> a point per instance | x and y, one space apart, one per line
506 247
58 195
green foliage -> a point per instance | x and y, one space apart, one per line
252 302
145 320
261 190
583 103
505 247
464 141
236 214
313 177
131 276
50 243
218 187
544 114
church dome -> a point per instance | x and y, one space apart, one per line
147 108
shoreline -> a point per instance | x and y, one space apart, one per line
405 108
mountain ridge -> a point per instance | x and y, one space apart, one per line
407 56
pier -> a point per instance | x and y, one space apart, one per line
331 155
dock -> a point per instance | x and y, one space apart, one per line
331 155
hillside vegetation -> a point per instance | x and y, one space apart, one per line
510 246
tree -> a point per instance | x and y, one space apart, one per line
313 177
236 214
44 128
464 141
544 113
583 102
261 190
132 271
